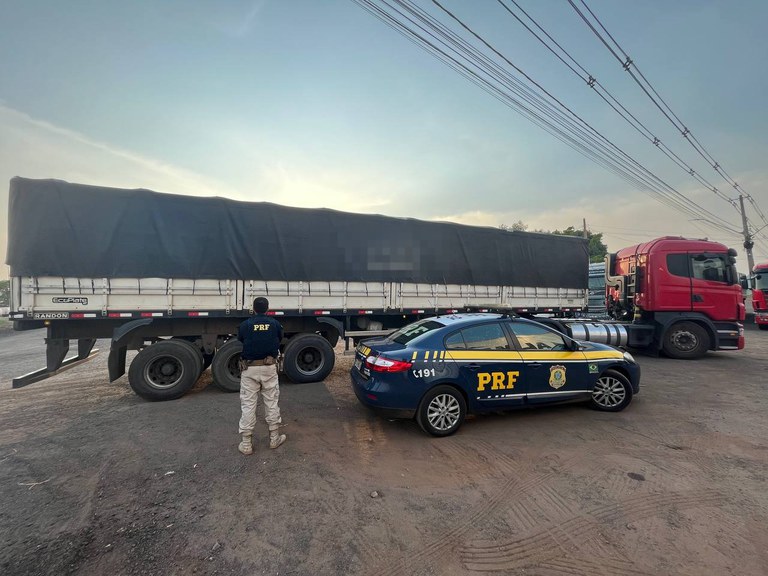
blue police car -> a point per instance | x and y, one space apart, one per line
438 369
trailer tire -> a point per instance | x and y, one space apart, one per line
224 368
195 350
686 341
164 370
308 358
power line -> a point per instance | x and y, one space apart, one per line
609 99
547 112
628 64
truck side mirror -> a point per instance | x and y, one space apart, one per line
743 282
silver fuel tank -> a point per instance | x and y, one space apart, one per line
602 332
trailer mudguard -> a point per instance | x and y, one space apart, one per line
117 351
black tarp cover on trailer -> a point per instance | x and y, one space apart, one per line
60 229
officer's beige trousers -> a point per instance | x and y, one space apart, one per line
253 380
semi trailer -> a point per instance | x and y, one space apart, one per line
173 276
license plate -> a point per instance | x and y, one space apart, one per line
358 363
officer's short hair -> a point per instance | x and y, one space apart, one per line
260 305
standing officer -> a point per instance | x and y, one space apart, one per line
261 336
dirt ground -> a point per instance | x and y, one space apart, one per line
94 480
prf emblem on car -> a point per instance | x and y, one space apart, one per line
497 380
557 376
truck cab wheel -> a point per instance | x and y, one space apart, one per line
686 341
164 370
308 358
224 368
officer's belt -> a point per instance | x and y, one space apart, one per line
268 361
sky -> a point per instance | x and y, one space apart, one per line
316 103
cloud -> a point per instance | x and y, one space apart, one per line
630 219
37 149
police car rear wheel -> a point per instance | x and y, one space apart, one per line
612 393
442 411
224 368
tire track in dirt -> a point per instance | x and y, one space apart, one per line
570 566
481 460
556 540
442 544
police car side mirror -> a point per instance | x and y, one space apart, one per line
573 345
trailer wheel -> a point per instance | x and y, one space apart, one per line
224 368
308 358
164 370
686 341
195 350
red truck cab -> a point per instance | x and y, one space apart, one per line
760 294
682 295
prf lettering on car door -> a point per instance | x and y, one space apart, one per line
497 380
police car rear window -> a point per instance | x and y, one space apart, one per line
412 331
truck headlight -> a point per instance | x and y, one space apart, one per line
628 357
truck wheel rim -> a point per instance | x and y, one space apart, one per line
233 366
443 412
309 361
609 392
685 340
164 372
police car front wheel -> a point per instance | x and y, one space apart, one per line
442 411
612 392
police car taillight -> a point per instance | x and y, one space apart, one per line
384 364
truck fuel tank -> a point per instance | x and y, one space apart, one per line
613 334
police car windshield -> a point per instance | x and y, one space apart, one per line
412 331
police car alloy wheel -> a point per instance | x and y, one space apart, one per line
612 392
442 411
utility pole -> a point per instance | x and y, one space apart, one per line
748 243
584 222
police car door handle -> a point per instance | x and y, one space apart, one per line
473 366
534 364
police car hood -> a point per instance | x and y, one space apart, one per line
596 347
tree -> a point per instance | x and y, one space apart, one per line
5 293
597 249
518 226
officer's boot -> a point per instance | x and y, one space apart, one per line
276 439
246 444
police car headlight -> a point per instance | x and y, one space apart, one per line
628 357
